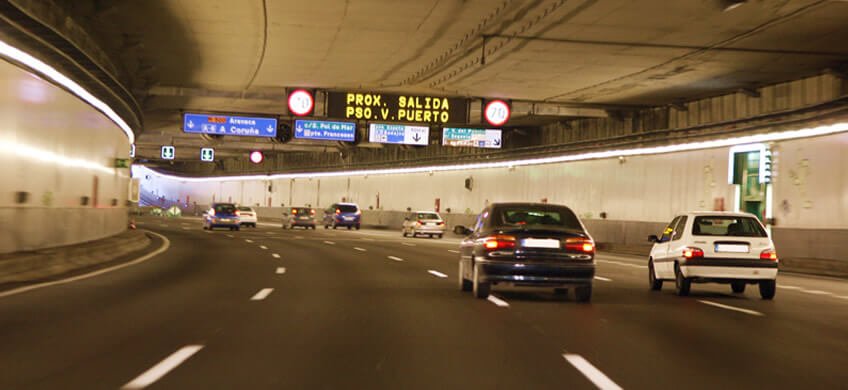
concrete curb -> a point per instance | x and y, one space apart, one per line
22 267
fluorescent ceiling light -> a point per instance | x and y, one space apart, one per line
720 143
48 71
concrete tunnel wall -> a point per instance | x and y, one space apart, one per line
54 147
638 194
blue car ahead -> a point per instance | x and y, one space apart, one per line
224 215
342 214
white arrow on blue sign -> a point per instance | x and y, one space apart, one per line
230 125
398 134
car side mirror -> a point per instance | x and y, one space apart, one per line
462 230
653 238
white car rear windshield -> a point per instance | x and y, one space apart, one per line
245 209
529 217
427 216
727 226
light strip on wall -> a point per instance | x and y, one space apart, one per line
48 71
749 139
30 154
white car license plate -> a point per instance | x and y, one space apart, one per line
348 218
732 248
540 243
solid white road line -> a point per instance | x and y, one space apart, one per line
395 258
437 273
165 366
329 242
497 301
788 287
263 247
230 235
275 255
248 241
185 228
262 294
603 279
408 244
210 232
734 308
360 249
623 264
453 251
589 371
281 270
165 245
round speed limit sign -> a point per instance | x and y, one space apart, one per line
496 112
301 102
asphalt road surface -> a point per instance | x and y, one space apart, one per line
281 309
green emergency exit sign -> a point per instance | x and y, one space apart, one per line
122 163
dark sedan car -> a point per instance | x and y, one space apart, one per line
527 244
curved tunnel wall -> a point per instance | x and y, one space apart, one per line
810 186
57 154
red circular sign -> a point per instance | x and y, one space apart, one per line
256 157
497 112
301 102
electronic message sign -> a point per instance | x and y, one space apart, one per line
477 138
397 108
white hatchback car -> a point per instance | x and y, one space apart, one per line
714 247
247 216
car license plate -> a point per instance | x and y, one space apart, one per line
348 218
732 248
540 243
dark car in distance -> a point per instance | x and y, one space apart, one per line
299 217
343 214
224 215
527 244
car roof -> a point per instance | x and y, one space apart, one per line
719 214
425 211
526 204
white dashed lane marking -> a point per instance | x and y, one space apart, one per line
590 372
395 258
453 251
165 366
281 270
603 279
360 249
437 273
329 242
263 247
733 308
248 241
408 244
497 301
262 294
275 255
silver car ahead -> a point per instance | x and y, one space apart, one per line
428 223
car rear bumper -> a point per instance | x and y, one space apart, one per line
429 230
536 274
712 272
346 223
228 224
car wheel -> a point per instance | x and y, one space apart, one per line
583 294
349 227
681 283
335 227
326 227
768 288
737 287
204 227
656 284
561 292
357 227
440 235
313 227
464 284
237 228
481 289
403 232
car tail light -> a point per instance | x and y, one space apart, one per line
312 211
338 211
237 213
294 211
693 253
768 254
358 212
419 222
440 223
580 244
499 242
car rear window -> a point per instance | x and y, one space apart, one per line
427 216
536 216
225 208
301 210
727 226
245 209
347 208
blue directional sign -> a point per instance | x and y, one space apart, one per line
229 125
475 138
398 134
325 130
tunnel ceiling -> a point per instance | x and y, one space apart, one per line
239 56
